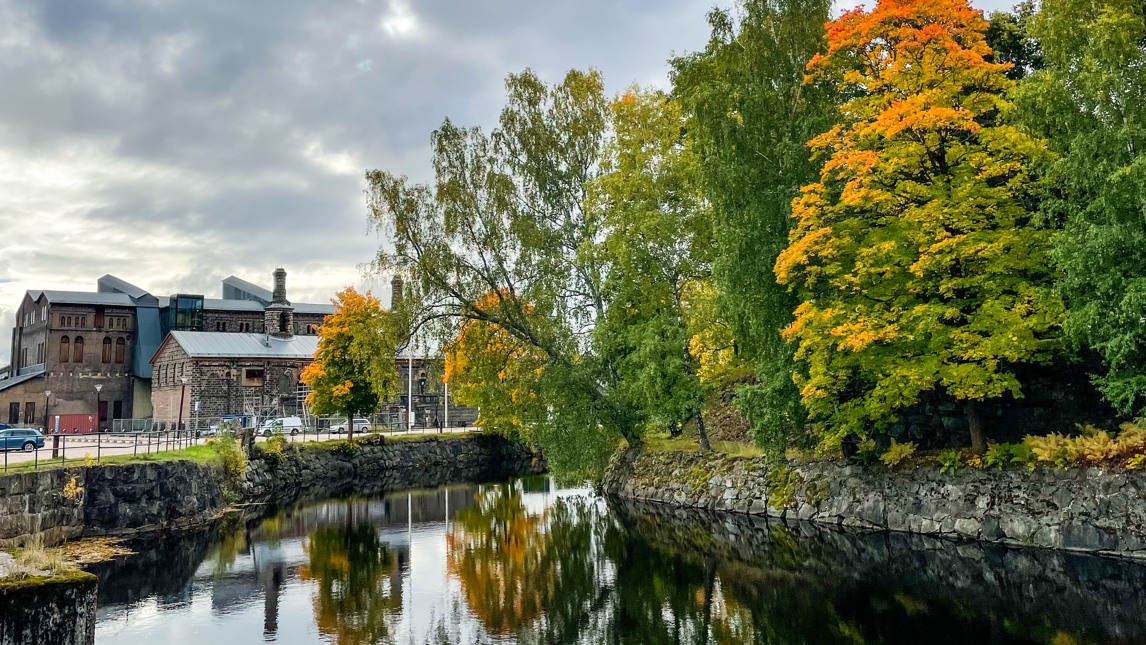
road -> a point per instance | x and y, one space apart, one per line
77 447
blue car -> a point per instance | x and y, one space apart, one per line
24 439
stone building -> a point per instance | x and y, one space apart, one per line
92 350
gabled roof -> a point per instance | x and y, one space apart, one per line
83 298
202 344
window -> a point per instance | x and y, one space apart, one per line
40 357
30 412
78 350
312 329
65 349
83 322
120 349
253 377
220 326
24 357
44 313
13 413
106 350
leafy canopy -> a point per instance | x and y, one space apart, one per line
915 255
354 368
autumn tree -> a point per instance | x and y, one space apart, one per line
490 369
915 255
354 366
658 251
1090 102
505 215
750 116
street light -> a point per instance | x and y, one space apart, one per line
179 423
47 401
99 419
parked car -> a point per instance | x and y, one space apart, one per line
25 439
338 426
282 425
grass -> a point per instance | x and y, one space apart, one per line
662 442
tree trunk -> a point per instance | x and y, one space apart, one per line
975 424
701 432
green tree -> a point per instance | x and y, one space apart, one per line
505 216
750 117
1090 101
354 366
918 264
1012 42
658 252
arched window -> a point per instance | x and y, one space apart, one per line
120 349
106 350
78 350
65 349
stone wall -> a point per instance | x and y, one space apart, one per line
126 499
52 611
380 465
1083 509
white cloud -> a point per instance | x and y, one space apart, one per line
400 21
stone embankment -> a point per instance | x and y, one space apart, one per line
126 499
1082 509
60 610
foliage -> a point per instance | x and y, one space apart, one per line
949 460
1090 101
750 115
1131 440
915 255
273 450
505 215
1096 447
658 252
234 461
1011 41
867 451
347 448
1137 462
489 368
354 367
1054 448
73 491
1005 454
897 453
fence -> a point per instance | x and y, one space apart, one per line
136 437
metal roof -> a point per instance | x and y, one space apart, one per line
13 381
217 304
202 344
84 298
241 286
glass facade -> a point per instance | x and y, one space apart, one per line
184 313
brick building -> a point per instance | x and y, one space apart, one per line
92 351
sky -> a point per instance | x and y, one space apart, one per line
173 143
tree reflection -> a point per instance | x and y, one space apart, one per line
358 586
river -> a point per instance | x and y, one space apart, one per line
529 562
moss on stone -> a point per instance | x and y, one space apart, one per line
782 487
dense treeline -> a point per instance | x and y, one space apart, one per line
843 221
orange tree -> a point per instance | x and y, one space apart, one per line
915 255
354 366
491 369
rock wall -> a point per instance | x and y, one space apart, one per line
126 499
378 465
33 504
1091 509
48 611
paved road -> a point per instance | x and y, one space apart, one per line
76 447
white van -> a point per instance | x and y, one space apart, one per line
282 425
338 426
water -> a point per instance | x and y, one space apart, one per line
525 562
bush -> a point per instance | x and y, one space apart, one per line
274 450
1131 440
866 452
1095 448
950 461
1005 454
234 462
897 453
1054 448
347 448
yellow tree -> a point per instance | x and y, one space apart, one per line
354 366
491 369
915 255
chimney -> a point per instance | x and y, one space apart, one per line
395 292
280 297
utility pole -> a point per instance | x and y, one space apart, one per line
410 384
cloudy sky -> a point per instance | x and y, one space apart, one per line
175 142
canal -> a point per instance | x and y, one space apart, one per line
530 562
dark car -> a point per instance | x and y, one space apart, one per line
24 439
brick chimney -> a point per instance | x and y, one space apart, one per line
396 287
278 317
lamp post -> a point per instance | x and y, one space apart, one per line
47 417
179 423
99 421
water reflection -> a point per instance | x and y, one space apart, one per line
524 563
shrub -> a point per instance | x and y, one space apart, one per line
1131 440
234 462
950 461
897 453
73 491
273 451
1054 448
348 448
1137 462
1005 454
867 452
